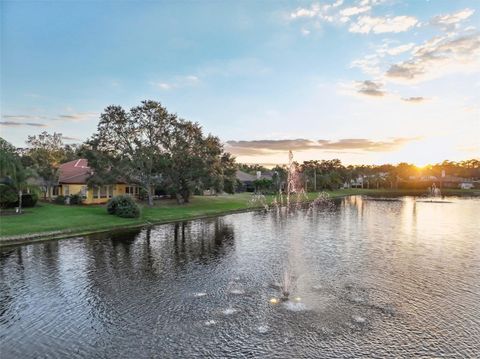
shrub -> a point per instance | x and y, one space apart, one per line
29 199
123 206
8 197
59 200
76 199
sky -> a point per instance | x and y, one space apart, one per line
365 81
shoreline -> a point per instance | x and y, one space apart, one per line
51 236
35 237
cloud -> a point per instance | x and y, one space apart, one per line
32 120
266 146
259 147
368 145
451 21
24 117
379 25
417 99
394 51
370 88
177 82
370 65
21 124
163 85
437 57
305 32
354 10
68 138
76 116
326 12
313 11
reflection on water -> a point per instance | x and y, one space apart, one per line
372 278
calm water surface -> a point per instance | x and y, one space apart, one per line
370 278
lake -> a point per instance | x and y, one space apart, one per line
366 277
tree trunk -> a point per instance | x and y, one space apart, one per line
179 198
186 195
150 198
20 194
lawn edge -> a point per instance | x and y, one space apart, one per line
7 241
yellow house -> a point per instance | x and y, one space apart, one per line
73 180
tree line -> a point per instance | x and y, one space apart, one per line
332 174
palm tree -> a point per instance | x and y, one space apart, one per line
12 172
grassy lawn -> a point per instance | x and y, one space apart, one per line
52 219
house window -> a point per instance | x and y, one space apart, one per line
131 190
110 191
103 191
83 192
55 190
66 190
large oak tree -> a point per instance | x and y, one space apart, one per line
150 146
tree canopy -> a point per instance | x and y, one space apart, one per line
150 146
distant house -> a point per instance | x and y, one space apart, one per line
245 181
466 185
356 183
73 180
264 175
448 181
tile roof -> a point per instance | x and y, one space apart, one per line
76 171
244 176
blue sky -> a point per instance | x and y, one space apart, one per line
366 81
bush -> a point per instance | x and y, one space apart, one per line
29 199
8 197
76 199
123 206
59 200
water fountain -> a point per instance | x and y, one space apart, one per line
433 191
434 195
295 196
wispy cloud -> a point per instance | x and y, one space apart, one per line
370 88
379 25
369 64
439 56
76 116
263 147
354 10
417 99
451 21
177 82
313 11
358 15
397 50
68 138
24 117
33 120
21 124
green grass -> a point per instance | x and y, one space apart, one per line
51 220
